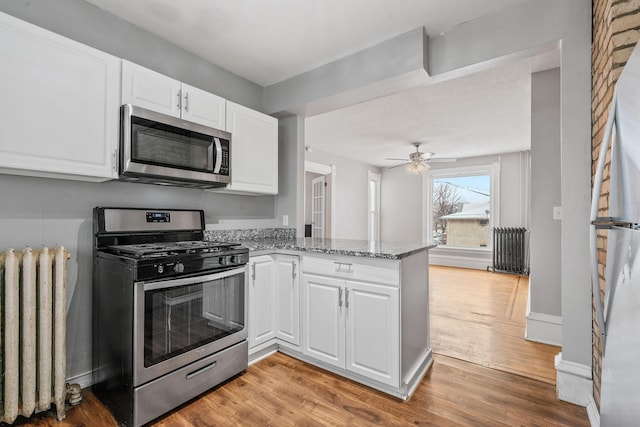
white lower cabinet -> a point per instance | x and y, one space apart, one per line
274 299
323 319
262 300
287 283
351 324
373 332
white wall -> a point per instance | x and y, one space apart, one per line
404 205
401 205
350 186
544 321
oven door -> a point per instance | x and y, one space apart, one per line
179 321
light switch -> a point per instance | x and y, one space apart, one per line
285 219
557 213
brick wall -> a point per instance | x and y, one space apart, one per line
616 30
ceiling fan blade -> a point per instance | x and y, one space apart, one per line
440 160
400 160
397 166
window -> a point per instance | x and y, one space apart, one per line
374 207
462 206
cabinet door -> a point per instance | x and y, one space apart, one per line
323 319
60 107
288 298
203 107
149 89
254 150
262 304
373 331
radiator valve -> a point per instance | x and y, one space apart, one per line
74 397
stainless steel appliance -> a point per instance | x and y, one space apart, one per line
619 313
169 311
160 149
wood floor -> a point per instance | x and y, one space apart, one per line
282 391
479 317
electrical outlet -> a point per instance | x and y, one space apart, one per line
557 213
285 219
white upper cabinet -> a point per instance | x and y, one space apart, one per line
254 151
60 111
203 107
154 91
151 90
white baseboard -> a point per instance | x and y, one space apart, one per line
459 261
593 413
573 381
544 328
84 380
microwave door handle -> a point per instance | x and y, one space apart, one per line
216 168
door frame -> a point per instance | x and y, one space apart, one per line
327 170
316 213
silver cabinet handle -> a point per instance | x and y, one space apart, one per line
186 102
114 160
339 297
253 274
293 269
346 297
339 267
179 100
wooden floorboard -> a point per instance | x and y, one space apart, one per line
512 389
479 317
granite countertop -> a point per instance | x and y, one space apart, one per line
346 247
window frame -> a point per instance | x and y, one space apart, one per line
491 169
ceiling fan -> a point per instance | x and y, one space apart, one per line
418 161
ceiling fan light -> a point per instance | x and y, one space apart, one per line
417 167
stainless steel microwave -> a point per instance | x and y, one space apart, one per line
160 149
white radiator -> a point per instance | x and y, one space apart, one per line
32 331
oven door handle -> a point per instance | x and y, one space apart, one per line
152 286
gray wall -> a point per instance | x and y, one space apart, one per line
290 172
401 205
351 196
36 211
545 191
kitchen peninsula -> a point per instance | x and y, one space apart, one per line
357 308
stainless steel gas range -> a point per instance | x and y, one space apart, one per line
169 311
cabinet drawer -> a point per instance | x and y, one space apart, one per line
368 270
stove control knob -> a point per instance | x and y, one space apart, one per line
160 268
222 260
179 267
232 259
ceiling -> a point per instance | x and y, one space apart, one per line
268 41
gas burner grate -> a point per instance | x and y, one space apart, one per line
148 250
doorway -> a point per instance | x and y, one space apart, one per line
319 200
